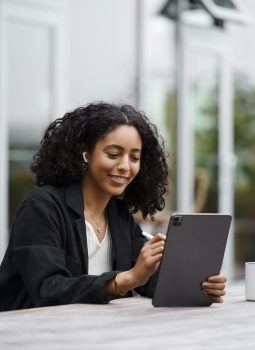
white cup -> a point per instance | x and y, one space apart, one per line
250 281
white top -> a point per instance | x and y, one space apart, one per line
99 253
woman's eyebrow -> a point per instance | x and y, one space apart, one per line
121 148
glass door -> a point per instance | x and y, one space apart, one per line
209 101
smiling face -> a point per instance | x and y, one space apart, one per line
114 162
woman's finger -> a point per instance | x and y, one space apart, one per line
157 237
157 245
216 299
208 285
156 250
148 252
217 279
215 292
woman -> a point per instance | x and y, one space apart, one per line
73 238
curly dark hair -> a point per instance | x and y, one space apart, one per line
59 160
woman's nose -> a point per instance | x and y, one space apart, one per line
124 164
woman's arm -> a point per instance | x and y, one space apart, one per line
40 256
145 266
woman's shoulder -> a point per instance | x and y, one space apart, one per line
45 191
43 196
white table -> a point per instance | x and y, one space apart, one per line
132 323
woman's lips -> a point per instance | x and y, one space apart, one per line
119 180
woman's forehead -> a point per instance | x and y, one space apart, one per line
125 136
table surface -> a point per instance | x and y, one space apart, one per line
133 323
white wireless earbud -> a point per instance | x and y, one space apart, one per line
84 155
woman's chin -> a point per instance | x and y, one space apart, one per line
113 191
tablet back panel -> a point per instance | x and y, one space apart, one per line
194 251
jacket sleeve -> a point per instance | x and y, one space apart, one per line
40 259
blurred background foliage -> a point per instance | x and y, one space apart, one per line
206 150
244 142
21 180
244 131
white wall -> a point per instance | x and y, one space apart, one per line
242 43
102 51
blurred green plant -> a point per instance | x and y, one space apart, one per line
21 180
244 132
171 124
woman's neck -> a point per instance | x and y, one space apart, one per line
94 201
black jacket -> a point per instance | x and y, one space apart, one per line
46 262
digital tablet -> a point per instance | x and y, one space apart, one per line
194 250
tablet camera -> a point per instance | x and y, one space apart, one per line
178 220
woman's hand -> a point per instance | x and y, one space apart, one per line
215 288
148 259
146 264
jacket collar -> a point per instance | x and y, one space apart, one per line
74 197
120 234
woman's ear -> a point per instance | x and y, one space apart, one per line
84 155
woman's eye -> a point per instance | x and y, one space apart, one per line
113 155
135 159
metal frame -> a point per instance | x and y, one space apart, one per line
198 40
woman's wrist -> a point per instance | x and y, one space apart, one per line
121 283
118 288
124 281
